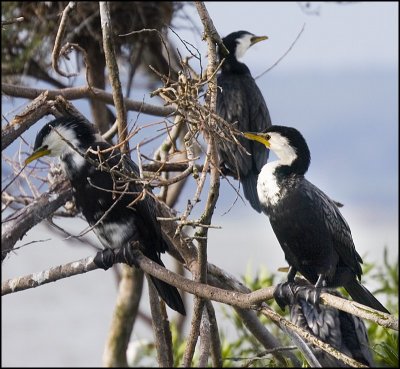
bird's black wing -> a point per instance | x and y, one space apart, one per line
337 226
141 212
313 234
144 208
259 121
232 105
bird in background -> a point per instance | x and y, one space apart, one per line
343 331
241 103
114 206
312 232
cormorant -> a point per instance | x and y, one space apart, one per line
312 232
343 331
119 210
241 103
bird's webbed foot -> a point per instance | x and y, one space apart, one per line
126 255
105 259
284 294
311 293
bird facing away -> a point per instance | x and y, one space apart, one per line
241 103
343 331
312 232
115 207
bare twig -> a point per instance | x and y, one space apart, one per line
161 330
287 52
216 352
205 340
124 317
12 21
57 43
191 340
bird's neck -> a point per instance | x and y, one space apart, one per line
275 181
232 65
74 163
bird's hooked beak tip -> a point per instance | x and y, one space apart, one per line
257 137
37 154
257 39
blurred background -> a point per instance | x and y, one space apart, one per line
338 85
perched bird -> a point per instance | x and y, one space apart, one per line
312 232
241 103
117 208
343 331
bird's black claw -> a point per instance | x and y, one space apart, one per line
126 256
105 259
284 294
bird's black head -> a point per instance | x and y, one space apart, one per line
62 135
288 144
237 44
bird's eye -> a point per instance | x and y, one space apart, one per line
267 136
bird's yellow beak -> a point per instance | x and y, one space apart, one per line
260 137
41 151
256 39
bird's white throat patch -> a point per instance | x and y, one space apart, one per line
243 45
283 150
268 188
56 140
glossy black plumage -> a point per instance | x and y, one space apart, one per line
312 232
128 218
240 102
345 332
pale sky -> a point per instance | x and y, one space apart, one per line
356 34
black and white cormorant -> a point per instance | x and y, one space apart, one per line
240 102
343 331
312 232
114 207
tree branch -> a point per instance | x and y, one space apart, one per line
124 317
75 93
112 65
57 43
17 224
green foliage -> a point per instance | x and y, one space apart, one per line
384 342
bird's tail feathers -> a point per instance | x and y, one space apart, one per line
249 184
169 294
361 295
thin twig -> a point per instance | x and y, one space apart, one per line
57 43
287 52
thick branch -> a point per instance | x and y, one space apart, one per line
112 65
124 317
20 222
75 93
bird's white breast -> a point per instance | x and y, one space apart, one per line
267 187
114 235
